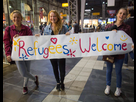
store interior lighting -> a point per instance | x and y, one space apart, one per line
88 10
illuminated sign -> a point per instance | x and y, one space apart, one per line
64 4
96 13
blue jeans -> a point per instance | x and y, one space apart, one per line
118 69
24 70
126 57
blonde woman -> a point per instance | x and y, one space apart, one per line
55 27
18 29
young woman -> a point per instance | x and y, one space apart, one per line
18 29
120 25
55 27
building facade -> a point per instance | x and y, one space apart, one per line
33 11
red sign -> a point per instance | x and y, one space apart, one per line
112 12
41 13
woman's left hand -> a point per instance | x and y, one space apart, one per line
67 33
132 46
114 30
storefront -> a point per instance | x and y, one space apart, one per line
4 21
90 22
42 15
42 20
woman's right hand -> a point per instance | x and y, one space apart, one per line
9 58
37 35
17 35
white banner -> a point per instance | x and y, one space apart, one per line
74 45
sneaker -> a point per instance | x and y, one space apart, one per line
36 82
107 90
117 92
125 64
62 87
25 90
58 87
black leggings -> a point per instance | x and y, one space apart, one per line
61 63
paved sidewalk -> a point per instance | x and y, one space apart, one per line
85 81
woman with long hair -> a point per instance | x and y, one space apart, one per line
55 27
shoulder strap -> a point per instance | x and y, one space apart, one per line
9 31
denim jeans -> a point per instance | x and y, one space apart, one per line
118 69
24 70
126 57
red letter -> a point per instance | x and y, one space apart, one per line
22 48
46 53
103 47
85 48
124 45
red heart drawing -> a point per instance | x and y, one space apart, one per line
54 40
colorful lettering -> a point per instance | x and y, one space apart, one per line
97 46
93 45
35 47
117 46
103 47
124 45
21 47
109 47
51 48
40 52
46 53
58 46
85 48
30 49
65 49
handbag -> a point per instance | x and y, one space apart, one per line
12 62
108 58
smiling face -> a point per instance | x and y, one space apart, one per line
53 17
17 19
121 15
123 38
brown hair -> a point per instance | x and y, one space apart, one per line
15 11
58 26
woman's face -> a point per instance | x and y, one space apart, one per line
17 19
122 14
53 17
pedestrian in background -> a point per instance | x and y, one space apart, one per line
55 27
18 29
76 27
118 59
69 26
44 25
130 21
40 27
32 27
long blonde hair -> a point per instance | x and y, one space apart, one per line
58 26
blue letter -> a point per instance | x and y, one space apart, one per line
30 49
42 51
65 49
93 45
117 46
